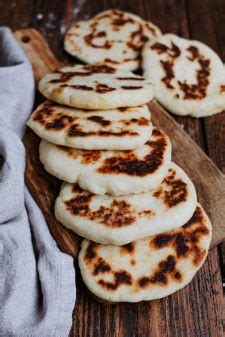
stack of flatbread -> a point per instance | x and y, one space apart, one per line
145 235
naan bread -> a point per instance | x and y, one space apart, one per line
122 219
117 129
113 172
150 268
112 37
188 76
95 87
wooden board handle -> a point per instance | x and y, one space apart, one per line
209 181
42 59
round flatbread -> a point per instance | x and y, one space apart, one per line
188 76
150 268
95 87
113 172
112 37
116 129
122 219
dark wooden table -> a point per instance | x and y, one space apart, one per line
197 310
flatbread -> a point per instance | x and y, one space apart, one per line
150 268
95 87
122 219
188 76
112 37
116 129
113 172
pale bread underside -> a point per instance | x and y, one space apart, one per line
120 220
113 172
147 269
188 77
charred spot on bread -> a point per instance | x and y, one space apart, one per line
176 191
90 253
222 88
75 130
169 73
159 47
120 278
59 122
103 88
96 69
77 87
79 205
128 163
190 91
198 90
131 78
172 53
87 156
194 53
185 240
101 266
128 248
117 214
131 87
45 116
99 120
165 270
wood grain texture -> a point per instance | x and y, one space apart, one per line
212 32
197 309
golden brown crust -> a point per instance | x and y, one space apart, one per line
184 243
176 193
185 240
129 164
117 214
51 120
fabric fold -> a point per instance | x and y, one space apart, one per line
37 280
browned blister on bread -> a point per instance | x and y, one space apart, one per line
187 75
113 172
116 129
120 220
150 268
95 87
113 37
129 163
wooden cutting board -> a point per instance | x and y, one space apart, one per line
209 181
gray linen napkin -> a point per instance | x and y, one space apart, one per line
37 281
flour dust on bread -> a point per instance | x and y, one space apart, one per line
150 268
119 220
95 87
112 37
188 76
113 172
116 129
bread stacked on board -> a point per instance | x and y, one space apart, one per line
145 235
